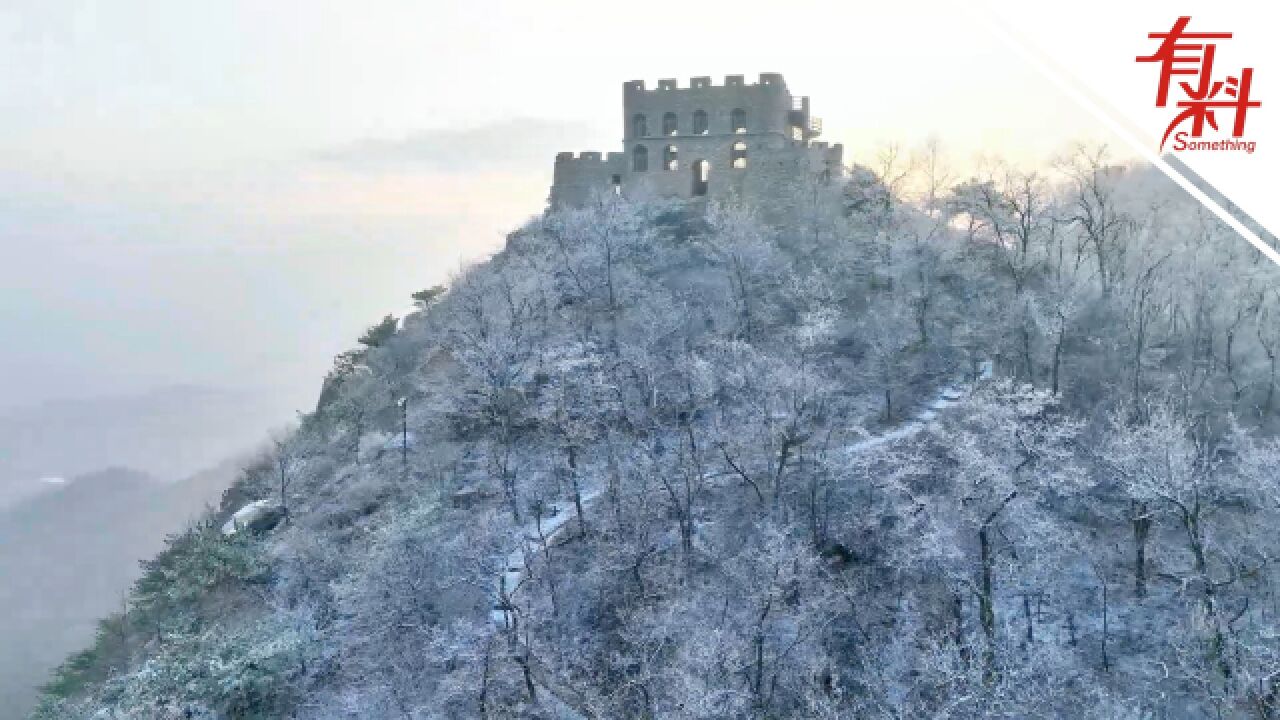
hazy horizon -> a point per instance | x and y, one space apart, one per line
227 196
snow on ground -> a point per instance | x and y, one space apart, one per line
246 515
515 568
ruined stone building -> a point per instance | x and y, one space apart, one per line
732 141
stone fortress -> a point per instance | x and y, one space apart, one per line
732 141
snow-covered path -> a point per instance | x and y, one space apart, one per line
530 540
536 535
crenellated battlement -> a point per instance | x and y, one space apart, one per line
589 156
704 82
704 138
577 173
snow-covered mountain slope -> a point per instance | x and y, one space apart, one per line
963 458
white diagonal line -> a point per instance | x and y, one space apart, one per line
1141 147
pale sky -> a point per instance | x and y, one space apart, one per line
228 192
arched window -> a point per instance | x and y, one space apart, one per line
670 159
738 120
700 122
640 159
670 125
639 126
701 176
739 155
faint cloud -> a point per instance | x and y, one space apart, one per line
512 145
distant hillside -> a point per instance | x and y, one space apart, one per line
168 433
69 555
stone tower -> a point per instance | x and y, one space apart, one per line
736 140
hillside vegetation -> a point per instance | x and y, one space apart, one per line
650 461
69 555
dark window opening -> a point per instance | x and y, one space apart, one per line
670 158
739 155
640 159
639 126
701 177
700 123
738 120
670 125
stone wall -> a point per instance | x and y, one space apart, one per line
766 103
575 178
775 159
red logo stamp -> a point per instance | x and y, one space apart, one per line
1190 54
